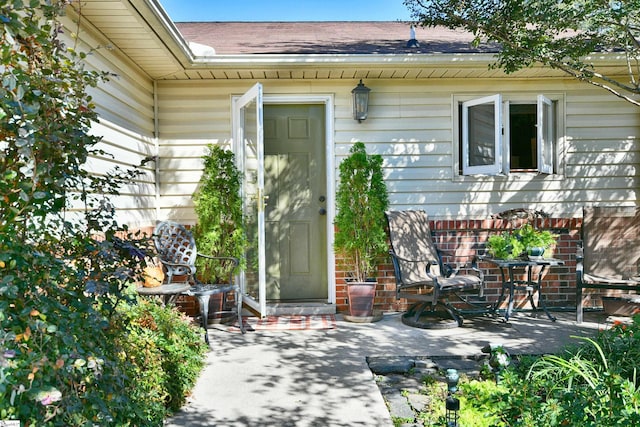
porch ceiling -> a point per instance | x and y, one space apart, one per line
142 31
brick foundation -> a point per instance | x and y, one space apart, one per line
465 237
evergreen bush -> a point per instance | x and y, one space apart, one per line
361 202
219 231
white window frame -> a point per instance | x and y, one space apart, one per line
490 169
546 125
545 144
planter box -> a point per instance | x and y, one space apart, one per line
624 305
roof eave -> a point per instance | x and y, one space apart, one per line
463 59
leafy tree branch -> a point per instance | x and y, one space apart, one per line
562 35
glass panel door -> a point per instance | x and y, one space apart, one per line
249 149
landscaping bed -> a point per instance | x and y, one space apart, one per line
591 383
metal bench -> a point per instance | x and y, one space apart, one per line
609 256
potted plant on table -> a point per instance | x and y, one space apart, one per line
220 230
524 241
361 201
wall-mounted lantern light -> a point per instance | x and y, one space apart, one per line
360 102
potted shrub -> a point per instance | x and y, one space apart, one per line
524 241
220 230
361 201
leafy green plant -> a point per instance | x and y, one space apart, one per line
530 237
66 264
514 243
504 246
475 401
220 231
361 201
592 383
168 354
586 26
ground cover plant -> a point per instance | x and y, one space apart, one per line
76 346
591 383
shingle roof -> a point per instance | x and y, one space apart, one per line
229 38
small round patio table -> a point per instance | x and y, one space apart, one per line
167 293
203 293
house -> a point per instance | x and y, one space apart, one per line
460 140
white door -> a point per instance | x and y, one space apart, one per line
249 149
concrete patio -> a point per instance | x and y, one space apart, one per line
321 377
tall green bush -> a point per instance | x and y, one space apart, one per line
219 231
361 201
64 272
164 353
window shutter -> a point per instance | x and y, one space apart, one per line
545 127
482 136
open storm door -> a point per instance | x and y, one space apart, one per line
249 149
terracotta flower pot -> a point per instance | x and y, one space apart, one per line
361 296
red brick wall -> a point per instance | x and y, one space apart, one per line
469 237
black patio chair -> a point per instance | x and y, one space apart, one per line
421 275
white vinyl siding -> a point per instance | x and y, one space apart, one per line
414 126
125 105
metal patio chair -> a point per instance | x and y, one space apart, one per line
422 276
177 252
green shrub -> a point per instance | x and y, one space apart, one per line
361 200
64 362
68 356
165 354
590 384
593 383
220 230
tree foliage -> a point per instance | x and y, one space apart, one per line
65 262
563 35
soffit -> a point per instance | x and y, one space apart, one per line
142 31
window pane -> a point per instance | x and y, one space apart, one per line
545 134
522 136
482 135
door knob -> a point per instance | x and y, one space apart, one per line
322 199
322 211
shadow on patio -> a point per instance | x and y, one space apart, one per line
321 378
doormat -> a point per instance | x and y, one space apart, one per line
289 323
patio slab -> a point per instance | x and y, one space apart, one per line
321 377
